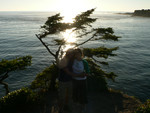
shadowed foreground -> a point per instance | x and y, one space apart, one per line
104 102
111 103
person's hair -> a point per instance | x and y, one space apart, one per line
70 51
79 51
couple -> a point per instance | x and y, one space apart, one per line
72 80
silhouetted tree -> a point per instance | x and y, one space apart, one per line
82 26
7 66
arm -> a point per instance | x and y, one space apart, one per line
73 74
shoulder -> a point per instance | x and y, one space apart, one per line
63 63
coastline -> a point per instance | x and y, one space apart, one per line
125 13
139 13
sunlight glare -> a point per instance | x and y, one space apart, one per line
70 8
68 16
69 36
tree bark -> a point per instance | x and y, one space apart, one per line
2 78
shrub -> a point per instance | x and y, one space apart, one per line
96 83
21 99
46 80
7 66
144 108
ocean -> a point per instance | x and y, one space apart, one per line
17 38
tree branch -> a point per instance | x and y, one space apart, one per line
5 86
85 34
86 40
57 52
4 83
46 46
105 63
4 76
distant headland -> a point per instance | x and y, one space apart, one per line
143 13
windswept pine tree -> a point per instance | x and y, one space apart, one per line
7 66
82 26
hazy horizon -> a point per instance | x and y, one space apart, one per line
59 11
74 5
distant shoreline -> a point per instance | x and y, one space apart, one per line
125 13
141 13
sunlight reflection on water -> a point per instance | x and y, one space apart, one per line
70 38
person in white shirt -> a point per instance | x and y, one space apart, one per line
79 83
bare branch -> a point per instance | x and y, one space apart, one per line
4 76
5 86
85 34
86 40
4 83
57 52
105 63
46 46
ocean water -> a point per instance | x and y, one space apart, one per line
17 38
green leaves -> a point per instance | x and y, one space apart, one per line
144 108
99 52
105 34
54 25
15 64
82 27
46 79
83 20
110 37
104 30
59 41
22 99
97 71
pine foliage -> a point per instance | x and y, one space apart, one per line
15 64
7 66
83 27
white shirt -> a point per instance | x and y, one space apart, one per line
78 68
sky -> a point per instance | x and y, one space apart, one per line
73 5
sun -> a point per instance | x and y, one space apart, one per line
68 16
70 8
